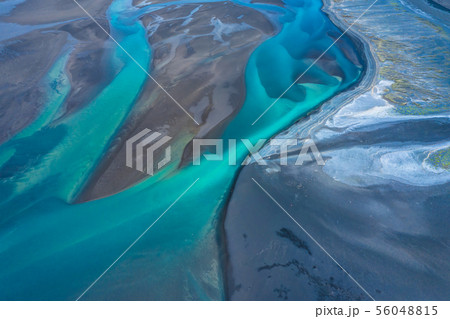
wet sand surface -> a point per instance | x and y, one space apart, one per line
37 12
383 235
199 56
45 30
199 53
380 204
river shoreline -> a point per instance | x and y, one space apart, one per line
379 205
320 114
209 83
187 46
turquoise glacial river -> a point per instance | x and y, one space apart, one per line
52 248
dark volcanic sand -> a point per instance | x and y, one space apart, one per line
382 235
377 206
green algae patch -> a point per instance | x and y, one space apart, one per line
440 159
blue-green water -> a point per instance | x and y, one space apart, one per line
51 248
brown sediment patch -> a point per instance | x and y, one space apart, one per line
200 58
23 63
85 68
27 58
